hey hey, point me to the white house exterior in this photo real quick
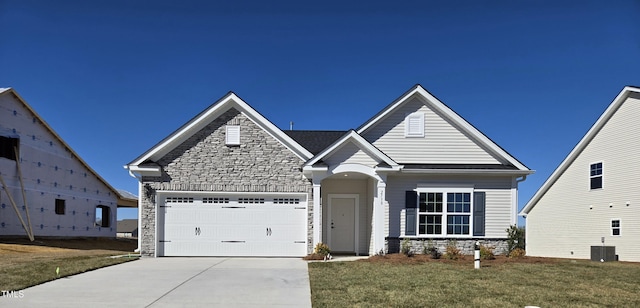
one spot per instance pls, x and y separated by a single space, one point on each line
230 183
53 191
595 192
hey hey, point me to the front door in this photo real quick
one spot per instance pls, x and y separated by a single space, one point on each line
343 224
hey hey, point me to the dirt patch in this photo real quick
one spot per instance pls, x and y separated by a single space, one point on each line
398 258
16 251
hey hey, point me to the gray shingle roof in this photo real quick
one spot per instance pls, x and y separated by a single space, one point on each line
127 225
315 140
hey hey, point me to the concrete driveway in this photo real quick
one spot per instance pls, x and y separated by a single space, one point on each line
178 282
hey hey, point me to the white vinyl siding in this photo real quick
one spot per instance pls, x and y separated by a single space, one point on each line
350 153
591 211
442 142
499 203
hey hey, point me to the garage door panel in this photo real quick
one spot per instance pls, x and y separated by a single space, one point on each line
240 248
203 229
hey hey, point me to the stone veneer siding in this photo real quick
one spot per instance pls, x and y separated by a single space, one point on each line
205 163
466 246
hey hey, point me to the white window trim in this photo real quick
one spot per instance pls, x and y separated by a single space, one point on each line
420 117
444 213
619 226
232 135
593 176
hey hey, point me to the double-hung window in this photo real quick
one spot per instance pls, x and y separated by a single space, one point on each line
595 175
444 213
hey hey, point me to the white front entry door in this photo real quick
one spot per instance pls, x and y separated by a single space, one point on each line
343 224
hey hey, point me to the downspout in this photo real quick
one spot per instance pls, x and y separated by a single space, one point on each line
519 180
139 205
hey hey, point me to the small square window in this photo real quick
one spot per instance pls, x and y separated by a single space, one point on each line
615 227
60 206
232 135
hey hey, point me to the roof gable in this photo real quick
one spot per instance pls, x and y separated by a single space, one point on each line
580 147
227 102
486 149
352 138
123 200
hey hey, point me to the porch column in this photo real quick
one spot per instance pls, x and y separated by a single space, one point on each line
378 216
317 214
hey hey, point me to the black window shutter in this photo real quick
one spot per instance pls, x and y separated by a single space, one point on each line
411 205
478 213
411 199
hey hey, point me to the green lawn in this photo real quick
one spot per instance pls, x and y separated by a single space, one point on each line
21 276
24 263
438 284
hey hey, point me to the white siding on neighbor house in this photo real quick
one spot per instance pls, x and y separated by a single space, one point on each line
360 188
350 153
442 141
499 203
49 172
570 217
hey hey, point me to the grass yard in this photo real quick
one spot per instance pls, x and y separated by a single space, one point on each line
400 281
24 263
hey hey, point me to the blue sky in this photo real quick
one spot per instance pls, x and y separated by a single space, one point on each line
115 77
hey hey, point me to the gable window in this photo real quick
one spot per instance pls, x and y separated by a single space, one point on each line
8 147
60 206
414 125
615 227
103 216
444 213
595 175
232 136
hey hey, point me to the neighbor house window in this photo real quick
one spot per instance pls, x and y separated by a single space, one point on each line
232 135
8 147
414 125
103 216
615 227
595 175
444 213
60 206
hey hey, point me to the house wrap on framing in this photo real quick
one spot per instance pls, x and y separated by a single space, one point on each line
46 189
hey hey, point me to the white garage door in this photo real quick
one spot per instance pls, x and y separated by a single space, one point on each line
232 225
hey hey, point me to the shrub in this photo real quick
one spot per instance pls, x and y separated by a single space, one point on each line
431 250
486 253
321 249
452 251
405 247
517 253
516 238
434 253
